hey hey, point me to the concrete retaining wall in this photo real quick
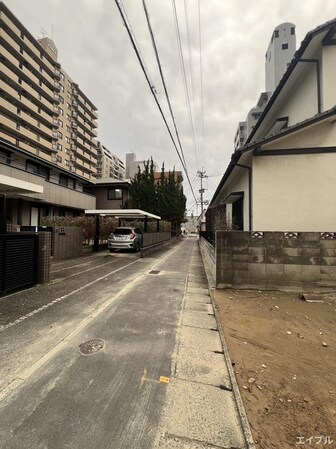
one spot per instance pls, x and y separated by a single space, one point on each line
208 255
292 261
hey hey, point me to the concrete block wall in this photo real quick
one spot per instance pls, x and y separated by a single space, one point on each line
151 238
67 242
291 261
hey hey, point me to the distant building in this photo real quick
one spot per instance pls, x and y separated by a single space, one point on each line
279 54
108 164
132 165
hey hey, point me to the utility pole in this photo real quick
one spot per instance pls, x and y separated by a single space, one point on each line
202 175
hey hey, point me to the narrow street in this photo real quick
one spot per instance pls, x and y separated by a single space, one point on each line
53 395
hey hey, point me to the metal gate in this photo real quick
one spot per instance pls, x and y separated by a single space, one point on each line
18 261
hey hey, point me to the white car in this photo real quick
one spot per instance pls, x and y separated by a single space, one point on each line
125 238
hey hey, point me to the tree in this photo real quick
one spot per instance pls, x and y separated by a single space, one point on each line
163 197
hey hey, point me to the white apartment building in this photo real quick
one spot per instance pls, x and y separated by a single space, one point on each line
108 164
278 56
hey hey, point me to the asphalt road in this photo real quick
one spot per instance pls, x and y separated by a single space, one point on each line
54 396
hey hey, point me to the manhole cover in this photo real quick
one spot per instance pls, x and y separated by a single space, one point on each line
91 346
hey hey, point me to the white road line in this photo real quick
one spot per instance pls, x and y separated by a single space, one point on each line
61 298
84 271
25 374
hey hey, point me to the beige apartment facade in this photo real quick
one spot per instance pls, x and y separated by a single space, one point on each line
48 130
108 164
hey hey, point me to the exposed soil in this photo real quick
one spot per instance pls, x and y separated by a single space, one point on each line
283 350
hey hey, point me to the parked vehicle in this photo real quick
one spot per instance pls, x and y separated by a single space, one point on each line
125 238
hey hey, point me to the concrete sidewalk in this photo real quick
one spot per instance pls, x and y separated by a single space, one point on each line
201 409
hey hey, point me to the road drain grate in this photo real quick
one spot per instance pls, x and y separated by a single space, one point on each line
154 272
91 346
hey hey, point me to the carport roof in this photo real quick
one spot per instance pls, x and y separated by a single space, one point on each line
122 213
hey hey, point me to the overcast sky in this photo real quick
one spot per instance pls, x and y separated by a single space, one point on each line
95 50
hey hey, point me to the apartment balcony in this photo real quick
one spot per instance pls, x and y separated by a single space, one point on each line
56 122
75 92
74 113
73 158
57 73
73 136
73 146
75 103
56 110
74 124
73 169
56 98
57 86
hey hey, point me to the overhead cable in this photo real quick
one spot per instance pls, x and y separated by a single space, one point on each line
151 86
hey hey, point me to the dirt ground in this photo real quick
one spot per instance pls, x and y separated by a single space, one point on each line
283 352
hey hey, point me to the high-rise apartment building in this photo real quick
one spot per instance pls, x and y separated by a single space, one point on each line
279 54
108 164
43 111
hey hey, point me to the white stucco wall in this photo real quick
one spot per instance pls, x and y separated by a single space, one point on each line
238 185
301 102
328 77
294 193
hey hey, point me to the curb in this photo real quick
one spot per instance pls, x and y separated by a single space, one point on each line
236 393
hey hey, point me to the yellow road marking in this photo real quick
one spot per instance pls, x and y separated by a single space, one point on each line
144 378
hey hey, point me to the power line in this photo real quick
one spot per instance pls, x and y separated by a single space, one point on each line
185 83
201 76
151 86
162 78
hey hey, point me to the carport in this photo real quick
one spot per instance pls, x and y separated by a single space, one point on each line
120 214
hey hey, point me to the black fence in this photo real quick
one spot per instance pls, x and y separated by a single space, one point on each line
18 261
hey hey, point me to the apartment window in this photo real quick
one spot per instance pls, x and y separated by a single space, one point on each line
62 77
67 139
65 181
66 162
18 111
69 84
21 50
59 135
60 111
38 169
284 46
67 126
39 110
68 118
5 157
67 151
292 30
20 81
20 65
114 194
58 159
61 99
19 96
276 33
38 124
22 35
41 70
18 127
38 137
68 105
60 123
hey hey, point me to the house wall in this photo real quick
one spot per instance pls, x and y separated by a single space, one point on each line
294 193
240 184
301 101
328 76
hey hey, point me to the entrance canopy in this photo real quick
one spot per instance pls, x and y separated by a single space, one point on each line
122 213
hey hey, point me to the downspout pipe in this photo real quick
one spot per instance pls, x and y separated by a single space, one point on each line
250 192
